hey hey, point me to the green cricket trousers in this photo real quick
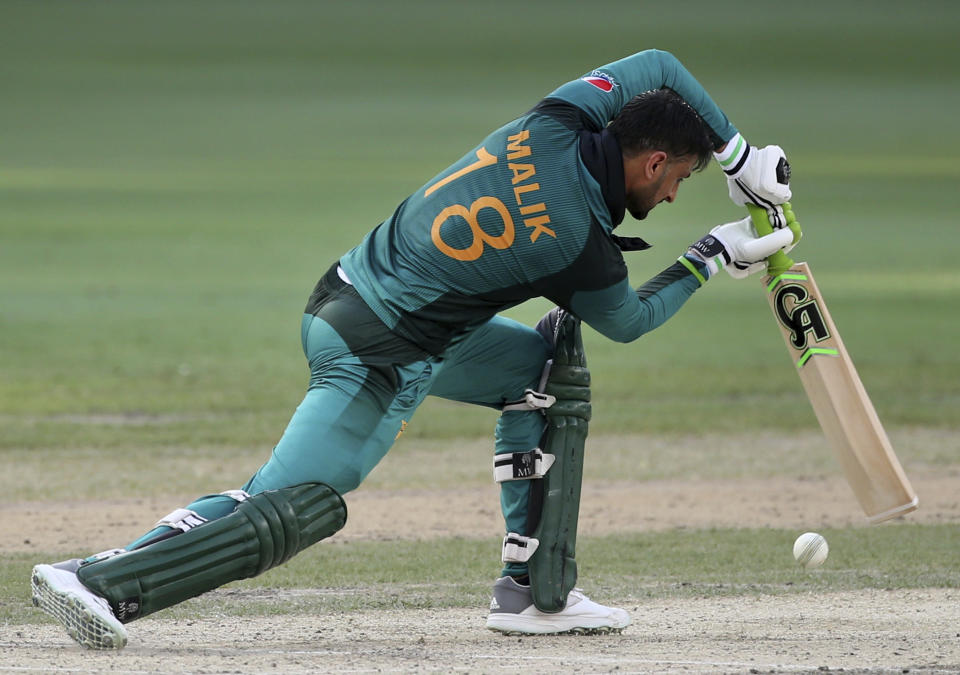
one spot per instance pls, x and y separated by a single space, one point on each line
366 383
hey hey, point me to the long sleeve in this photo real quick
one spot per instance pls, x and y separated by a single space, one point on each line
623 314
603 92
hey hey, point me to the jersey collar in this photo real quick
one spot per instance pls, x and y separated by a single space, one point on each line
601 155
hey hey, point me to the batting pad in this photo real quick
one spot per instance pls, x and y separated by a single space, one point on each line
553 566
266 530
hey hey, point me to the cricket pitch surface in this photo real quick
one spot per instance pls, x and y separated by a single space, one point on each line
874 630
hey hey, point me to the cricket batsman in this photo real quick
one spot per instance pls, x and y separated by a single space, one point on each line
412 311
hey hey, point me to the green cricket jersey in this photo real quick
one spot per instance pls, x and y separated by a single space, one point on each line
529 212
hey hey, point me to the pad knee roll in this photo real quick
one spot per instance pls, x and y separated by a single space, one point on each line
264 531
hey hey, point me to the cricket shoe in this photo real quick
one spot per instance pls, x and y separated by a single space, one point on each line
86 616
512 612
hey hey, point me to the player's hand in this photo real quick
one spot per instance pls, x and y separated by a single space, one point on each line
763 179
740 270
758 176
737 248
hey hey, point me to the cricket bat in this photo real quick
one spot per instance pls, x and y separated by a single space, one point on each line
839 400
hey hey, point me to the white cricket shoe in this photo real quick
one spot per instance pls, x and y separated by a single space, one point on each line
86 616
512 612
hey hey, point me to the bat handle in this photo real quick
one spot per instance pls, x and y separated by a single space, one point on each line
779 262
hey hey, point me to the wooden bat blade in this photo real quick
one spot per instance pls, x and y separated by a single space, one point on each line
839 400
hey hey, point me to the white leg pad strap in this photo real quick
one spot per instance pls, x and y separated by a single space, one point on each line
186 519
181 519
109 553
517 548
532 400
521 465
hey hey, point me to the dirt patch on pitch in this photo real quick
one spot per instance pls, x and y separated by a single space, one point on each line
606 508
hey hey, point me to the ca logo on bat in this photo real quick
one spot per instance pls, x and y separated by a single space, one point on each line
801 315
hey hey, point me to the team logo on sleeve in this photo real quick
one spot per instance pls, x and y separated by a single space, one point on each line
601 81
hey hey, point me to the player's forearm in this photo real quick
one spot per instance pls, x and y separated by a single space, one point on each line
623 314
635 74
654 68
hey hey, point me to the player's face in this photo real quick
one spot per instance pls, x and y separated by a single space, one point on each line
644 191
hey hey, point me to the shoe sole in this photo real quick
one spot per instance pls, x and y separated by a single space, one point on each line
607 630
534 628
83 624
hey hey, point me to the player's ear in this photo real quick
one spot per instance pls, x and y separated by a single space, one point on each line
655 164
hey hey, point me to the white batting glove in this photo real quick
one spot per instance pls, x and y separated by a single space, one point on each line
737 248
757 176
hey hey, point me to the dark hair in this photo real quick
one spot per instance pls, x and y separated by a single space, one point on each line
660 119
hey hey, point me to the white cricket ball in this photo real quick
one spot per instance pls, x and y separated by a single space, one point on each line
810 549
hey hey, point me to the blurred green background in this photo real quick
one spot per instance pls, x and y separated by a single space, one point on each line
175 176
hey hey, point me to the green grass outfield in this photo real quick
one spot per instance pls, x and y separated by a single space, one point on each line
175 176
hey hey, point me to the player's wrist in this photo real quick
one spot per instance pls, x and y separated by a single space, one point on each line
734 155
697 266
712 251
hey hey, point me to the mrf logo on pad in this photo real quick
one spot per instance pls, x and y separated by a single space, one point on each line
600 80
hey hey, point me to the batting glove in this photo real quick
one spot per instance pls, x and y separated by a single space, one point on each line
758 176
741 270
737 248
